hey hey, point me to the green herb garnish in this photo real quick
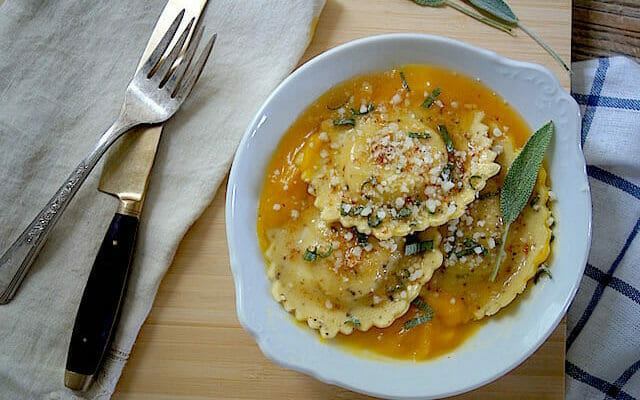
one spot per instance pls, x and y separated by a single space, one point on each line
312 255
353 321
419 135
404 82
446 171
542 270
519 182
348 209
418 247
446 138
427 314
370 108
361 238
404 212
344 122
373 220
431 98
476 177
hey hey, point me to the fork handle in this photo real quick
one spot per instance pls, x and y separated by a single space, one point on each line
15 262
101 303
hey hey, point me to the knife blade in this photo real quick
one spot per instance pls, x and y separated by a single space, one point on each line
125 175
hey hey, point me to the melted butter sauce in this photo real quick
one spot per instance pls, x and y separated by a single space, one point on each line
284 192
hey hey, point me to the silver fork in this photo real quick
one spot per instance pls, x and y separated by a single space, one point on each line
154 94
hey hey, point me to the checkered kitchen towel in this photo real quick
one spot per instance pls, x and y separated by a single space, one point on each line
603 340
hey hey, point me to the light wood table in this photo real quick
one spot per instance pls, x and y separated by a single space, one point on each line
192 345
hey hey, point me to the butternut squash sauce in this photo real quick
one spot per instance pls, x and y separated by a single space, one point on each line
285 192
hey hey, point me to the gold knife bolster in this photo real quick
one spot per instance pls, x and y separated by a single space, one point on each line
130 207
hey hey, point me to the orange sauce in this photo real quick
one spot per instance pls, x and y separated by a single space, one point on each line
452 323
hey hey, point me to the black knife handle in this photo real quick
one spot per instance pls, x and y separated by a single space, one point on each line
101 302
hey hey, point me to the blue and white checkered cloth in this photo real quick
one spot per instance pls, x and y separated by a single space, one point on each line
603 327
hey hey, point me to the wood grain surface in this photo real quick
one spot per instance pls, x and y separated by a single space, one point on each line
603 28
192 346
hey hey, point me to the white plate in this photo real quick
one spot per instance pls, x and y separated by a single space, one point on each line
507 339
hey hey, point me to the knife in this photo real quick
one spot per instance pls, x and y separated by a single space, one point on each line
125 175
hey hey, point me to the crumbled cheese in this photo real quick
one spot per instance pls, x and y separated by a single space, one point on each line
368 247
381 214
324 153
348 235
477 235
395 99
497 149
366 211
550 221
403 294
453 300
492 243
459 233
454 104
323 136
277 207
552 195
447 185
536 207
477 249
431 205
416 275
399 202
376 299
447 247
328 304
481 223
439 103
295 214
497 132
357 251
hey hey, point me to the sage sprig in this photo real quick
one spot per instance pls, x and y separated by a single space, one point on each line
519 182
502 18
470 12
501 10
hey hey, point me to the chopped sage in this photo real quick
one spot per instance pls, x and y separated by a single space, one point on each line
446 138
353 321
419 135
418 247
404 212
373 220
431 98
404 82
344 122
312 255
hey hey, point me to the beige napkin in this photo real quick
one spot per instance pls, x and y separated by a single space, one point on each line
64 66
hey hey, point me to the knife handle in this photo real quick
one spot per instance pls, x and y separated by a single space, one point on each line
99 309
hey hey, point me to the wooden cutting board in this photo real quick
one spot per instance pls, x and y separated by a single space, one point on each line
192 345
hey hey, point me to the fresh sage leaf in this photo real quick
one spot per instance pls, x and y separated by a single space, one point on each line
430 3
519 182
497 8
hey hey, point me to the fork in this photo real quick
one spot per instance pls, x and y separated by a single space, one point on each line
155 93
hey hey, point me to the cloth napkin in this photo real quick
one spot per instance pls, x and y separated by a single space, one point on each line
64 67
603 326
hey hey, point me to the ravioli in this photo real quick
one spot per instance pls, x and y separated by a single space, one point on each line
338 280
396 171
471 244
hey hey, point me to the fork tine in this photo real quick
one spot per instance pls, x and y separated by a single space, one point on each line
194 72
164 69
178 72
157 53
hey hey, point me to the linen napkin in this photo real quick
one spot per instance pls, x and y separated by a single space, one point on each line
64 67
603 326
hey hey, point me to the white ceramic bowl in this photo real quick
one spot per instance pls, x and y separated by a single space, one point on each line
507 339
